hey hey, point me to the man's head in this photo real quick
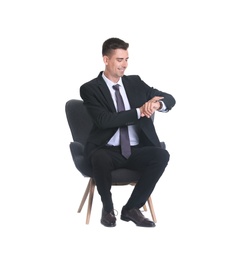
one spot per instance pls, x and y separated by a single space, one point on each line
115 56
112 44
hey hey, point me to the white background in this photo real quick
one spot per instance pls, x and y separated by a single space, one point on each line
48 49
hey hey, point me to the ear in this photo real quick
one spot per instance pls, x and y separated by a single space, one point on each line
105 59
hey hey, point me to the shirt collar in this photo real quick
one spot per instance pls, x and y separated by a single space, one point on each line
111 83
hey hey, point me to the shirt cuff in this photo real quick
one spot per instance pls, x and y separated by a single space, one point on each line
163 108
138 113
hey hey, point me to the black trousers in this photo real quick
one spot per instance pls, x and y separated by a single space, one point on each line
150 161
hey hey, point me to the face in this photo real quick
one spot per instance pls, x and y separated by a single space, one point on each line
116 64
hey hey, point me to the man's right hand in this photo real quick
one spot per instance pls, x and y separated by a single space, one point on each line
150 107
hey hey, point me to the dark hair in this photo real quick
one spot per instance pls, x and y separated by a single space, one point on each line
113 44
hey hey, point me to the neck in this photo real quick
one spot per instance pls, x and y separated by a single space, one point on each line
112 78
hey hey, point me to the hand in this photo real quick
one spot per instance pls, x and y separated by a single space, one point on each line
156 99
150 107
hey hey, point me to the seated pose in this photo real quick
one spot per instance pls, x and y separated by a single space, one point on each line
123 134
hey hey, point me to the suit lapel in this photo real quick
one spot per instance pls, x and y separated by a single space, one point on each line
103 88
130 93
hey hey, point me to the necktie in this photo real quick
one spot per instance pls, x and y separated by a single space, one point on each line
124 135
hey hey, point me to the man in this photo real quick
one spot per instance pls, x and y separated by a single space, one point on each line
104 148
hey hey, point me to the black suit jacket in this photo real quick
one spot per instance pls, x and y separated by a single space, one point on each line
99 104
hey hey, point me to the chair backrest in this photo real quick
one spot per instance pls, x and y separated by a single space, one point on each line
78 119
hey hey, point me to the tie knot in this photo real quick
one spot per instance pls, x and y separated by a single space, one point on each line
116 87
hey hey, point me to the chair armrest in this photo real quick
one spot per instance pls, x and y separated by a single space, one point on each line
77 150
163 145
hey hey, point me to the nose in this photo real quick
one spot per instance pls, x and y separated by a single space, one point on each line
125 64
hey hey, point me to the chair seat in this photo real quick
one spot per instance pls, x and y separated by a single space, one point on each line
124 176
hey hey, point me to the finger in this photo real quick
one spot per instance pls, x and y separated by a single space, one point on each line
157 98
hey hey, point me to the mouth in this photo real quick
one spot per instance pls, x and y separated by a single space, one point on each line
121 70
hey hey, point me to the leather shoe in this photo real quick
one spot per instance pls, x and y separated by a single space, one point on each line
108 219
137 217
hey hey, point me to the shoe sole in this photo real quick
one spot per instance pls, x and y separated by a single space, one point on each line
128 219
106 225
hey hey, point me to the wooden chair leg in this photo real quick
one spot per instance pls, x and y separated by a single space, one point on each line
84 196
145 208
90 201
88 191
150 203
